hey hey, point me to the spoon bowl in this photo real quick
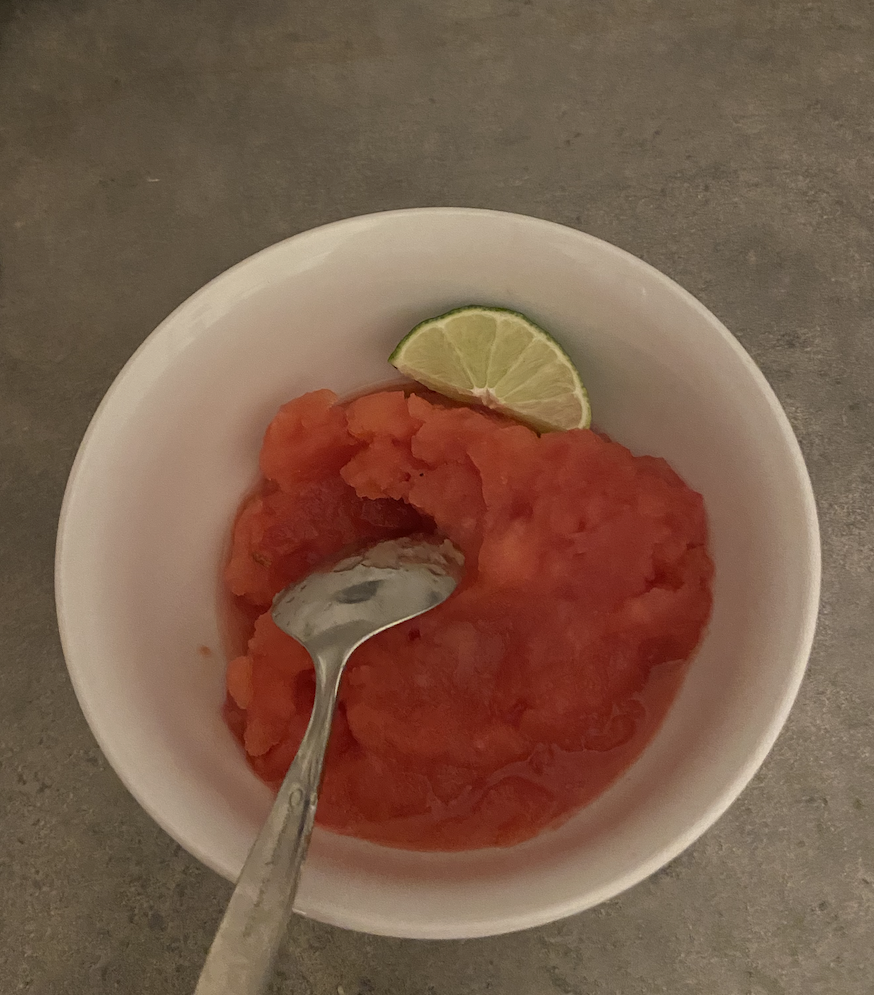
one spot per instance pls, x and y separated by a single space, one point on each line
366 593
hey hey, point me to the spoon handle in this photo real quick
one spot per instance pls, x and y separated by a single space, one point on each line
240 960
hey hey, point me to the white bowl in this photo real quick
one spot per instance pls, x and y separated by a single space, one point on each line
174 445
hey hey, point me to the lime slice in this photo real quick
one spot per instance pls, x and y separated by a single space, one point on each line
500 359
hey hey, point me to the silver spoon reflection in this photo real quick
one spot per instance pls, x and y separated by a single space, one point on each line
331 613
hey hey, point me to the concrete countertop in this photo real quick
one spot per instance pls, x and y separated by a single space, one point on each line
147 146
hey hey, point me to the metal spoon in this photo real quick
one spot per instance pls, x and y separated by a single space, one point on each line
331 613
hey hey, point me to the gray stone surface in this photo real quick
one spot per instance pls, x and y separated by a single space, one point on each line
148 145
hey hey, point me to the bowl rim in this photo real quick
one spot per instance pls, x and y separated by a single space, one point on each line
639 871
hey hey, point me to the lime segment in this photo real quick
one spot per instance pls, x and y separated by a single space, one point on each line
500 359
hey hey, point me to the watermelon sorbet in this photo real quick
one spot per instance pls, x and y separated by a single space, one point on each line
499 713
